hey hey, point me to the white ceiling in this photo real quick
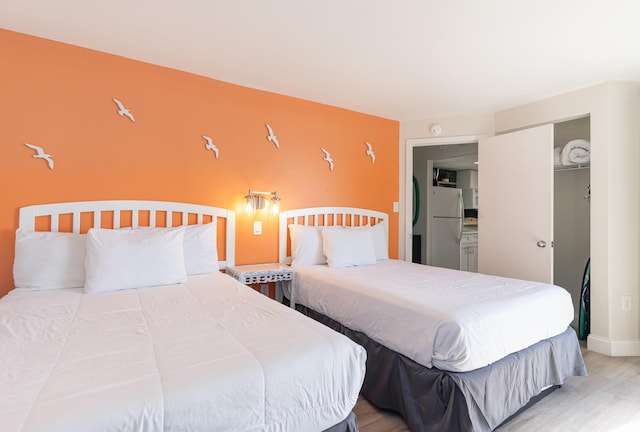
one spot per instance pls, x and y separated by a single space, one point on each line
402 59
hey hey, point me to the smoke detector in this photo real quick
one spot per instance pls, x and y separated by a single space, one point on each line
435 129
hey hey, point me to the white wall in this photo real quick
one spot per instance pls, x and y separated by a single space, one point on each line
614 110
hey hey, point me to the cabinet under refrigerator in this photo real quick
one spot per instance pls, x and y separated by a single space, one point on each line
447 215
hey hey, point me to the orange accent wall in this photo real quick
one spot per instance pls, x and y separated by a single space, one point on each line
59 97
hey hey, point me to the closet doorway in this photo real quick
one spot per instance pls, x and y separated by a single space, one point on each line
572 209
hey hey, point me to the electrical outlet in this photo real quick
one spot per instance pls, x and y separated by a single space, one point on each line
626 302
396 207
257 227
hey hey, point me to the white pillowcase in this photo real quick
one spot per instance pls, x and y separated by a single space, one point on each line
306 245
379 235
200 249
348 247
123 259
380 245
48 260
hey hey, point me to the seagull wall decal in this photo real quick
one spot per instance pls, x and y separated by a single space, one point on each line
370 153
123 111
327 157
41 154
271 137
210 145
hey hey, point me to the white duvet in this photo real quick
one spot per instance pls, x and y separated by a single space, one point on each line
207 355
453 320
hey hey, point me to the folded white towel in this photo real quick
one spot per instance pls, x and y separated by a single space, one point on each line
576 152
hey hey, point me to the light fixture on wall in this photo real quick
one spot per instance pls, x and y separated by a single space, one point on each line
256 201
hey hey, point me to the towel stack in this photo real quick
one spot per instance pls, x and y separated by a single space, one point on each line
575 152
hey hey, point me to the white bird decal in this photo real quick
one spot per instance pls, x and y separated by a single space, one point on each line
370 153
327 157
271 137
123 111
41 154
210 145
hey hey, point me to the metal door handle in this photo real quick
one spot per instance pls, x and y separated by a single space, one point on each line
542 243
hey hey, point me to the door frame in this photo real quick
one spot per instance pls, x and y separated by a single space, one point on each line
410 145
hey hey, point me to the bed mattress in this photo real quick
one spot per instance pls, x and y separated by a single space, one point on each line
449 319
209 354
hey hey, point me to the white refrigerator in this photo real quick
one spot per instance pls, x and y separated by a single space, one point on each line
447 216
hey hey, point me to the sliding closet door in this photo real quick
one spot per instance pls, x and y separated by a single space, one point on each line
515 214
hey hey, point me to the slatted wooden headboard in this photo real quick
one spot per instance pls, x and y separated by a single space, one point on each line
326 216
79 216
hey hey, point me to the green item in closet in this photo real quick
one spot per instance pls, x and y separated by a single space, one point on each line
585 307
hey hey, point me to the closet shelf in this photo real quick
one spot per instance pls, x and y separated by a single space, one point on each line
570 167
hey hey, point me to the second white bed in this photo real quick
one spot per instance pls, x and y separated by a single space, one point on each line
209 354
452 320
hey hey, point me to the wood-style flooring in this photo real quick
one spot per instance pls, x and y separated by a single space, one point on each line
608 400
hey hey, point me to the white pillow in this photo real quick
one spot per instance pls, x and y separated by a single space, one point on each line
200 249
348 247
306 245
380 245
122 259
48 260
379 235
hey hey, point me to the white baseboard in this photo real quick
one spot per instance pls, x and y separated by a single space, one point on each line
613 348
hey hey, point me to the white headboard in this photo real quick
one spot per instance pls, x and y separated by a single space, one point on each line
89 214
326 216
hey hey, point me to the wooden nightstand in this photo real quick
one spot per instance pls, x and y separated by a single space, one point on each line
263 274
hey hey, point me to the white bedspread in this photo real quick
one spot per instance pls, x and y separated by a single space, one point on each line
453 320
207 355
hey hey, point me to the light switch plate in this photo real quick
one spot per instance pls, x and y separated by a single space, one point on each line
396 207
257 227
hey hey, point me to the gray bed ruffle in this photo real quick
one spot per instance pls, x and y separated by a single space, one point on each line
479 400
350 424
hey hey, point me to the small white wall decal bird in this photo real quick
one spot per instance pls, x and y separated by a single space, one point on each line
327 157
210 145
271 137
123 111
41 154
370 153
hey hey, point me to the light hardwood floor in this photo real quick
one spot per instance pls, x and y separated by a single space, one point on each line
608 400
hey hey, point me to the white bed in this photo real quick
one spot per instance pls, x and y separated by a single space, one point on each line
206 353
455 321
456 324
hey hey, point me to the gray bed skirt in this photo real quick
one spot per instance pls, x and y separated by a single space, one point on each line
480 400
350 424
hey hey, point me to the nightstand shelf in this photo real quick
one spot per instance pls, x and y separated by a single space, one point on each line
263 275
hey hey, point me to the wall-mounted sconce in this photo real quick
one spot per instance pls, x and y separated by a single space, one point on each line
256 201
